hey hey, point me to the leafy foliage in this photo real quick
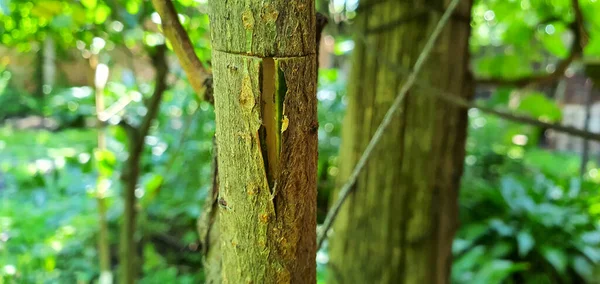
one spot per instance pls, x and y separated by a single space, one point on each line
525 213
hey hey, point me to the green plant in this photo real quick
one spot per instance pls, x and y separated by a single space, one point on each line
525 214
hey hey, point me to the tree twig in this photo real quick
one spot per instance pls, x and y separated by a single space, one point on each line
176 34
387 119
456 100
115 108
161 68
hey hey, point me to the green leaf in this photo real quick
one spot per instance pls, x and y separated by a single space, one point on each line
552 164
470 259
551 38
132 7
47 9
79 15
500 98
592 49
518 33
516 197
501 249
90 4
539 106
497 271
106 161
583 267
502 228
557 258
503 66
102 13
186 3
525 242
153 185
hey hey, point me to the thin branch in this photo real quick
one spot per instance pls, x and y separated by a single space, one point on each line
387 119
114 109
176 34
131 171
549 20
209 214
576 51
161 69
579 28
457 100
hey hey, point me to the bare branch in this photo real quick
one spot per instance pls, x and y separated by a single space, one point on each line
131 170
161 68
579 25
182 45
459 101
114 109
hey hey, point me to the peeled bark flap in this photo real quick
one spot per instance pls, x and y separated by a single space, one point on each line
294 231
263 28
268 234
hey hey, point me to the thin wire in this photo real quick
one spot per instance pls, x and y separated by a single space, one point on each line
387 119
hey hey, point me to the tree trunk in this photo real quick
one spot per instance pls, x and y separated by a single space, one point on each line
398 225
266 116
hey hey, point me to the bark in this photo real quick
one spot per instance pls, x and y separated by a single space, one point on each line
264 68
398 225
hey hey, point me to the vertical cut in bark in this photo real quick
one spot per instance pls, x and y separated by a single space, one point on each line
264 68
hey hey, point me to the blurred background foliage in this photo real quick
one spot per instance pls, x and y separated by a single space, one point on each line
528 213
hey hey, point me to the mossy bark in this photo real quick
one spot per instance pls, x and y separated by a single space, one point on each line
398 225
266 115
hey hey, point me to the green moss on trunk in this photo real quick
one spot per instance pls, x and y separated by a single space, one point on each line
398 225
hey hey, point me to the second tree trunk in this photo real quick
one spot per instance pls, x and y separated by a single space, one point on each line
398 225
